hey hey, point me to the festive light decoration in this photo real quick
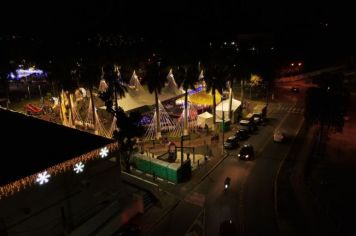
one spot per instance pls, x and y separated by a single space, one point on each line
104 152
21 184
165 121
76 115
21 73
192 121
197 90
113 127
79 167
43 177
135 82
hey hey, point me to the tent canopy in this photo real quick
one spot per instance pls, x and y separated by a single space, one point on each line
205 119
223 108
224 105
205 115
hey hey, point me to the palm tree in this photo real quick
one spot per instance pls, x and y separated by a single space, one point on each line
89 76
128 127
156 79
214 77
116 85
186 78
129 130
231 76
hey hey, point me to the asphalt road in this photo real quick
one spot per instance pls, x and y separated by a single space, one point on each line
249 201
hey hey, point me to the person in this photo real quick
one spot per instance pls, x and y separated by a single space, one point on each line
227 181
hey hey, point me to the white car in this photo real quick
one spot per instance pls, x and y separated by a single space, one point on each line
279 136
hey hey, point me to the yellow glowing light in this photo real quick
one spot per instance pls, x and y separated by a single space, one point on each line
203 98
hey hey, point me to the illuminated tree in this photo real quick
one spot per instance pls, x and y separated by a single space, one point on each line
255 81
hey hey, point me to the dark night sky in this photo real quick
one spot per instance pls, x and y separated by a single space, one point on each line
175 17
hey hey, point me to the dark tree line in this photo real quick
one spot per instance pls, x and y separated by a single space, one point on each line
327 103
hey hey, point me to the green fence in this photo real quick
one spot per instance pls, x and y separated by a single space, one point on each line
172 172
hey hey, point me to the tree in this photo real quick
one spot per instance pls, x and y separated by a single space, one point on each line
117 87
5 69
89 76
129 128
186 78
326 105
255 81
215 78
156 78
231 76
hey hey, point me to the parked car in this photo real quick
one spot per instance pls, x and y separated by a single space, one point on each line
246 152
231 142
242 134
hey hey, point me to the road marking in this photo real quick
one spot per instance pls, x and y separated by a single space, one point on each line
198 226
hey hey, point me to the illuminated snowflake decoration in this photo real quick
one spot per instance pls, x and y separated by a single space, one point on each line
43 178
79 167
104 152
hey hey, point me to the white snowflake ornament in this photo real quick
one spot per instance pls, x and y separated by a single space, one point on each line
43 178
79 167
104 152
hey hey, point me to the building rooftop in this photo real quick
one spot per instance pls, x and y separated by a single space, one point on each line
32 145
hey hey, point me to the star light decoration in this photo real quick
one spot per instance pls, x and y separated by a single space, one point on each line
43 177
79 167
104 152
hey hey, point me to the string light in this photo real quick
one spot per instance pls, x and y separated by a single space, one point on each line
21 184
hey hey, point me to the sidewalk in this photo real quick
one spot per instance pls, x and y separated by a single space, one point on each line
297 213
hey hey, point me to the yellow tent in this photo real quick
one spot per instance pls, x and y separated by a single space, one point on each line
202 98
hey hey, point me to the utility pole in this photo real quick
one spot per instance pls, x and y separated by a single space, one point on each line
182 138
223 124
242 91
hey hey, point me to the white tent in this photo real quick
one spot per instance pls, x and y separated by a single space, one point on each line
205 119
224 107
